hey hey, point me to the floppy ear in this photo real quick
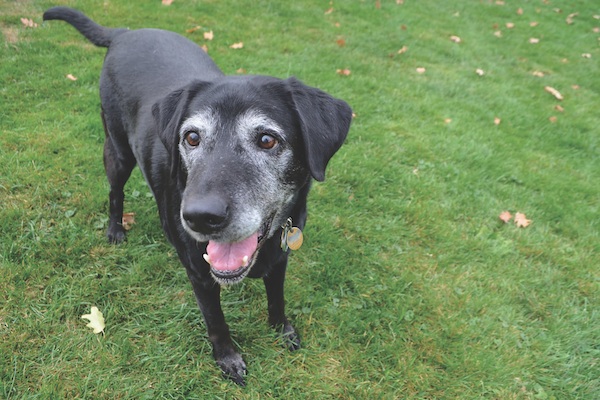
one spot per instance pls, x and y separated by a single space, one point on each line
168 115
324 122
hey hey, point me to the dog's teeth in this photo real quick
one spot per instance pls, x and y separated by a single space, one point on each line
206 258
245 261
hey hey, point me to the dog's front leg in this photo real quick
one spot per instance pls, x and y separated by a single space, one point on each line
275 297
209 300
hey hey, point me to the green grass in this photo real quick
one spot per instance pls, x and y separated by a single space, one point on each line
408 285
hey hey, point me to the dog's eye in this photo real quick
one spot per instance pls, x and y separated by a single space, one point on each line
192 138
266 141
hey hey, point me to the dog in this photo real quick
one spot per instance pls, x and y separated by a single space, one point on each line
229 160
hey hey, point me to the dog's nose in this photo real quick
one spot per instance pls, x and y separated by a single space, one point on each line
206 216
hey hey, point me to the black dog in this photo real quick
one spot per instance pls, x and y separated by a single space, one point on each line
229 160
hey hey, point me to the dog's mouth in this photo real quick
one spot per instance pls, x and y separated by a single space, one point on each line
231 262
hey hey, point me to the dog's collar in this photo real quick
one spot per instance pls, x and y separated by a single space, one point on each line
291 236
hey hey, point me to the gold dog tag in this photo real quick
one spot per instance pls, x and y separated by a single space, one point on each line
291 236
295 238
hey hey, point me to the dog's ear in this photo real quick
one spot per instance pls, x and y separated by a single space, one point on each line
324 121
168 115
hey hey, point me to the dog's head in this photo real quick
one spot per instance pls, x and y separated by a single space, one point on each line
242 148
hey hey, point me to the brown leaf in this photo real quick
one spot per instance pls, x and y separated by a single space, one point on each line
510 25
28 23
209 35
241 71
553 92
539 74
329 11
505 216
194 29
344 72
128 220
521 220
403 50
455 39
341 42
378 4
559 108
519 11
553 119
238 45
497 121
71 77
205 48
167 2
533 24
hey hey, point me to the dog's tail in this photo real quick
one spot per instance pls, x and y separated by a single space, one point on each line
97 34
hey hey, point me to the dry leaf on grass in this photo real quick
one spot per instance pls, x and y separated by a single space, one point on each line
344 72
28 23
421 70
167 2
505 216
534 40
539 74
209 35
194 29
521 220
403 50
71 77
553 92
480 72
341 42
238 45
455 39
497 121
96 320
571 17
128 220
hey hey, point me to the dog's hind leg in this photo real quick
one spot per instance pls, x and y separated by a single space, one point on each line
118 166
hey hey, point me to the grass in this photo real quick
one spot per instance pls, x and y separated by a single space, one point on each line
408 285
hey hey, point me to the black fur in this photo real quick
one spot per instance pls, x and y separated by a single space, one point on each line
156 84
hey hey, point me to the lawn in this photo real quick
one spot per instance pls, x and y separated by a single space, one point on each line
408 284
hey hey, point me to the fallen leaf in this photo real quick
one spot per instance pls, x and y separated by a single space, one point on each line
455 39
553 119
447 120
521 220
498 33
28 23
497 121
71 77
586 55
480 72
96 320
241 71
553 92
539 74
205 48
559 108
344 72
341 42
533 24
519 11
167 2
596 29
421 70
378 4
505 216
128 220
534 40
399 2
238 45
570 18
403 50
329 11
209 35
575 87
510 25
194 29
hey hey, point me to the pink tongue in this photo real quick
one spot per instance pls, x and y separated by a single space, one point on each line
230 256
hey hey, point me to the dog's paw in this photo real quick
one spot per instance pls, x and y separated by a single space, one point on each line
233 368
291 339
115 234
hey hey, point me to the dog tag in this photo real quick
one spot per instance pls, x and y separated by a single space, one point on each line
291 236
295 238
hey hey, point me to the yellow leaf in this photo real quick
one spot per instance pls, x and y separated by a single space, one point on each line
209 35
96 320
521 220
238 45
71 77
553 92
